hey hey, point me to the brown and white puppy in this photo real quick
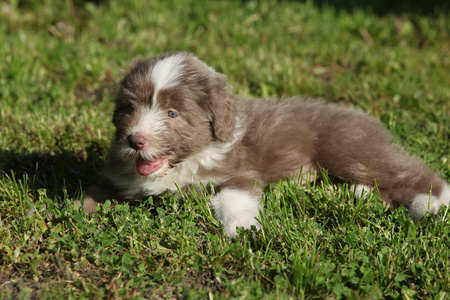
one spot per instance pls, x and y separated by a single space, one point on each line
178 123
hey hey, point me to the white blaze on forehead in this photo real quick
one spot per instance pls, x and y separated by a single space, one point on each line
166 72
149 121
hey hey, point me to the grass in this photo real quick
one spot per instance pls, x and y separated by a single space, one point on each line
59 68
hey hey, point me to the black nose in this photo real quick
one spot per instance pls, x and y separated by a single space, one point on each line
137 141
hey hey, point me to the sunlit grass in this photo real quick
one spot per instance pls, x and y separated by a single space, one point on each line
61 62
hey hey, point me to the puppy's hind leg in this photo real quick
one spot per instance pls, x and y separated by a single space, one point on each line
404 181
356 147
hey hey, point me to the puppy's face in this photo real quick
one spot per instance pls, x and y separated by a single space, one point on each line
169 108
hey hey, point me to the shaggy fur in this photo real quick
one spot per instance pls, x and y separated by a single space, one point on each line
178 123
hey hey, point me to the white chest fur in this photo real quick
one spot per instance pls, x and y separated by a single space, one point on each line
132 185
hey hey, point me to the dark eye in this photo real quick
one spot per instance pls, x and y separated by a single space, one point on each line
172 114
127 109
121 111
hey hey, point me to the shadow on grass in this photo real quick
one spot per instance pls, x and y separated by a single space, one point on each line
58 172
382 7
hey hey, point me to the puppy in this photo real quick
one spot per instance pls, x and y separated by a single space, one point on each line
178 125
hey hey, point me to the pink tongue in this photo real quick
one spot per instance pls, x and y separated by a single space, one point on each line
147 167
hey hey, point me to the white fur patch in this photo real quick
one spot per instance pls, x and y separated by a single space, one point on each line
444 198
185 173
166 73
182 175
236 208
149 120
422 204
166 179
426 203
361 190
217 151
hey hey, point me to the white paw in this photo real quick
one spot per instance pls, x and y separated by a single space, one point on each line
444 197
360 190
235 208
426 203
229 228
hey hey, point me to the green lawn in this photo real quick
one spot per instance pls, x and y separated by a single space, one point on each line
59 66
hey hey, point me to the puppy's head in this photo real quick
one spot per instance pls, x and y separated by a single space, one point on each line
168 108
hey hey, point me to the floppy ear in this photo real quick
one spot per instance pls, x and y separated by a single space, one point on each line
222 106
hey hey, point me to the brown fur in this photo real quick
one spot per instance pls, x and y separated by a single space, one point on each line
346 143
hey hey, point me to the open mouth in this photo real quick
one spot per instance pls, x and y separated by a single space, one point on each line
147 167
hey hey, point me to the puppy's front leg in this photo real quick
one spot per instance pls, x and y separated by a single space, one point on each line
236 208
96 195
